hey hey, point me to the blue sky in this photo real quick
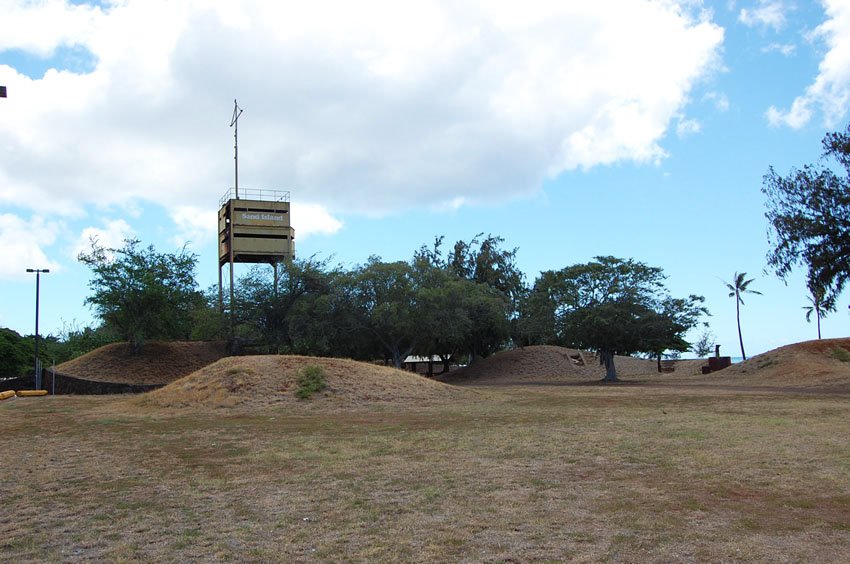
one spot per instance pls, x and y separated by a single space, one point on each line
572 129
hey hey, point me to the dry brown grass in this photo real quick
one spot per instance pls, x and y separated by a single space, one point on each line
629 474
158 363
392 467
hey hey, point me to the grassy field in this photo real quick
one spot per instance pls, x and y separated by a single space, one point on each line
515 474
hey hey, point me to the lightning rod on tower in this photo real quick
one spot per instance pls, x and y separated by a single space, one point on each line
234 123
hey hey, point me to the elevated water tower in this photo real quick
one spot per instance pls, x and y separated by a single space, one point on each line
255 227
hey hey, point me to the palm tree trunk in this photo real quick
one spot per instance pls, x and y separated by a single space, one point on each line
817 312
740 338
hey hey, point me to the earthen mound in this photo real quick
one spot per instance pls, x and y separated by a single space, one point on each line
545 363
271 380
818 363
159 362
538 363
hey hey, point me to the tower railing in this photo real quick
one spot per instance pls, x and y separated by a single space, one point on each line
261 194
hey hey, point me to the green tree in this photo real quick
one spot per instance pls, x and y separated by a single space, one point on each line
386 307
809 218
484 261
327 322
209 323
488 309
446 323
535 320
704 345
481 284
269 313
613 306
676 316
142 294
481 260
16 354
739 286
611 328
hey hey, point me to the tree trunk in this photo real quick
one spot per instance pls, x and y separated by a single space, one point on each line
817 312
607 358
397 358
658 358
738 312
400 355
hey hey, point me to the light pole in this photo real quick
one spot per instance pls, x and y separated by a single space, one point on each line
38 272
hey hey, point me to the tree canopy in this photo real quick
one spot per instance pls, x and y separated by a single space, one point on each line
465 304
16 353
480 260
809 216
143 294
432 305
611 305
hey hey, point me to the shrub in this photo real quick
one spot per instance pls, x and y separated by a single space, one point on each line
840 354
311 380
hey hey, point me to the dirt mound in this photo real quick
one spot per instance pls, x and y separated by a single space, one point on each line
256 381
810 363
540 363
158 363
546 363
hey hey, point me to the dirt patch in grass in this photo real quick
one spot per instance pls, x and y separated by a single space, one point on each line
272 380
158 363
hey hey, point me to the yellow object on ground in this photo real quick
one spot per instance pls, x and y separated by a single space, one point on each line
26 393
7 394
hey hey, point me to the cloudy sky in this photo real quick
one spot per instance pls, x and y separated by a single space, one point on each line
632 128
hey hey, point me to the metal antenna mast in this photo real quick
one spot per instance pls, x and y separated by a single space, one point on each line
234 123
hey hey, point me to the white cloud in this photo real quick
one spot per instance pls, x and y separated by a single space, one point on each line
24 241
795 118
786 49
376 107
687 127
196 226
830 92
719 99
110 236
768 13
313 219
58 23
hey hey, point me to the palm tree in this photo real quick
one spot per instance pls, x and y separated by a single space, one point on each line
820 306
736 288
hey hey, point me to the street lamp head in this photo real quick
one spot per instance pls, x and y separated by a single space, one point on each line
30 270
38 270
